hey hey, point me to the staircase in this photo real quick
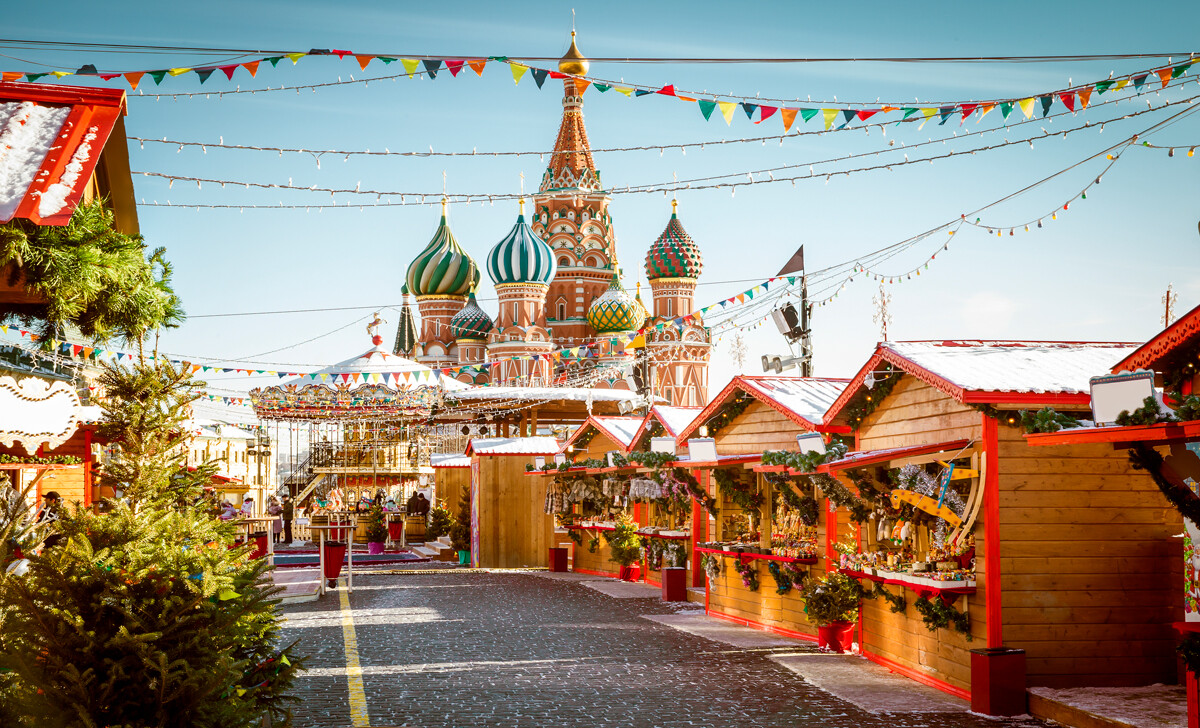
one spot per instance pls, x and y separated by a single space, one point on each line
301 482
438 550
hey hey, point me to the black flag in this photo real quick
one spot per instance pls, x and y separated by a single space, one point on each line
794 264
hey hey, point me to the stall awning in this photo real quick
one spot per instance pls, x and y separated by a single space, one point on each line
873 457
1164 432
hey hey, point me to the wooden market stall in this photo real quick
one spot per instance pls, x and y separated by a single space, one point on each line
756 529
1060 552
509 528
451 479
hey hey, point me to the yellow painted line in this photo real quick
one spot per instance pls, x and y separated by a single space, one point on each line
354 680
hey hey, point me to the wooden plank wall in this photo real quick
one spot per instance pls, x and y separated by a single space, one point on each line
448 486
598 563
514 530
764 607
915 413
1091 571
758 428
67 482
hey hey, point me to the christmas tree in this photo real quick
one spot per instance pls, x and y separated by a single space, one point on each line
145 614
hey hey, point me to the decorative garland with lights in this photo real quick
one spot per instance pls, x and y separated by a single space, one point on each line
1046 420
935 613
897 603
585 439
839 495
704 499
727 414
806 506
786 575
806 462
748 572
740 493
34 460
857 412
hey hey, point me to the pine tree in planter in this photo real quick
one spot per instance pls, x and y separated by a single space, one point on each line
145 614
625 544
376 529
460 532
440 522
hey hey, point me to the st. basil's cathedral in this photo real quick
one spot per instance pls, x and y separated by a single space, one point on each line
559 286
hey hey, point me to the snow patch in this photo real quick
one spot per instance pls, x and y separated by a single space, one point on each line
27 134
54 198
1153 706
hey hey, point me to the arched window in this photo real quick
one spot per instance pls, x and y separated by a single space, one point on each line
564 262
670 307
562 311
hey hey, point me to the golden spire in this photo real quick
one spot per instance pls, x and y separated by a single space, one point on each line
522 201
674 207
445 202
574 62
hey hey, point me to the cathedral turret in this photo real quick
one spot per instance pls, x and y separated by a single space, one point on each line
440 277
522 267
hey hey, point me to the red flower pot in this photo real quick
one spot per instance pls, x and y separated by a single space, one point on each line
335 554
630 573
838 636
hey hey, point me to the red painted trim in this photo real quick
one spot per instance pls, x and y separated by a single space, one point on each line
759 625
918 676
1165 343
46 93
739 383
1161 432
595 424
1048 399
87 468
991 530
593 572
883 456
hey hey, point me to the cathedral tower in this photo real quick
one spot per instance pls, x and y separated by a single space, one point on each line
678 354
522 267
440 277
570 213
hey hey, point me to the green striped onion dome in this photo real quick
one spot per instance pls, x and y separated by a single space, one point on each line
443 268
521 257
615 310
674 254
471 322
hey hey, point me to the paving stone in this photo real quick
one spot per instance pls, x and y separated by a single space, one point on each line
517 650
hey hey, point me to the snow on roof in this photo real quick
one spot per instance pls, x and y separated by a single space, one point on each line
806 397
512 446
52 137
575 394
675 418
219 430
1014 366
449 460
621 428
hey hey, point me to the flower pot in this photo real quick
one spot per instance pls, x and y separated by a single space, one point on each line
464 558
335 553
630 573
836 636
375 548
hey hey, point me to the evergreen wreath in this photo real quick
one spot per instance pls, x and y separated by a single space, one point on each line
748 572
936 613
738 492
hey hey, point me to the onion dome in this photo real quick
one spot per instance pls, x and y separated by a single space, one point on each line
471 322
443 268
615 310
573 62
521 257
674 254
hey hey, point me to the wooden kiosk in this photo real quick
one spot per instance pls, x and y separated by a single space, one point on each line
509 528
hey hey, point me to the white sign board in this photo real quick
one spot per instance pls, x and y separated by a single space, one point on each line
662 444
811 442
36 412
702 449
1114 393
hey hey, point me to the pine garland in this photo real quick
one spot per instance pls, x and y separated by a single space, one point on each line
856 412
6 459
748 572
897 603
935 613
728 413
1046 420
750 502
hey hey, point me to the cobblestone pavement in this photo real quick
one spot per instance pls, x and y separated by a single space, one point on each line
514 649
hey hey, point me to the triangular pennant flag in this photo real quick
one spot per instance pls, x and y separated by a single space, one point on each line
638 93
31 77
706 108
668 90
1047 101
1103 86
864 114
228 71
178 71
1164 75
454 67
928 114
849 115
788 116
829 115
517 71
1085 95
295 57
477 66
944 112
623 90
1122 83
1138 81
274 60
539 75
1026 106
363 61
410 65
432 67
1181 69
134 78
749 109
386 59
967 110
87 69
727 109
204 73
809 114
908 111
557 75
766 112
340 54
252 67
1006 108
10 75
60 74
1068 100
601 87
158 76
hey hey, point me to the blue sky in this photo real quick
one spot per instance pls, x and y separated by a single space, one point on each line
1097 273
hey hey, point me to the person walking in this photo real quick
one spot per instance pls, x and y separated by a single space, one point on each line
289 511
275 511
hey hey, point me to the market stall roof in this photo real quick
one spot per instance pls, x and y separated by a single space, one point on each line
1183 334
512 446
620 430
219 430
449 460
1044 373
53 137
1163 433
873 457
672 419
803 400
